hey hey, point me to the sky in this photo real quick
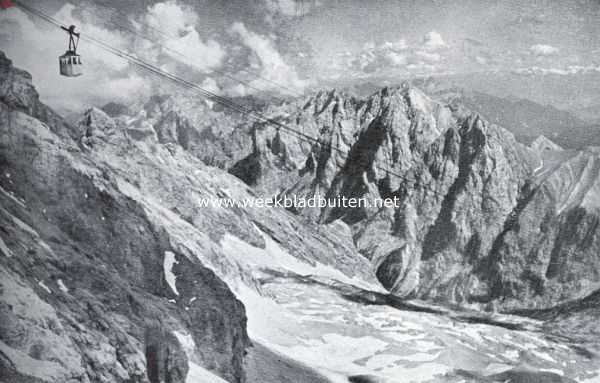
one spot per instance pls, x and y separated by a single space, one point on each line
242 47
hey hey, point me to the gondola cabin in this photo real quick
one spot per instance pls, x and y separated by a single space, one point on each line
70 63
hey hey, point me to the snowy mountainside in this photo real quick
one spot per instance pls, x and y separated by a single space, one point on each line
112 271
473 198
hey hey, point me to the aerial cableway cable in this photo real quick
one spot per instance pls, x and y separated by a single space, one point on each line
125 17
178 80
257 116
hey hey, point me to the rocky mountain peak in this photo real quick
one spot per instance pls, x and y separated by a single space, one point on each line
16 88
116 271
18 92
97 118
468 189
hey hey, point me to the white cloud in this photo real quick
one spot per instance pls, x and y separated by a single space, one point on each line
171 18
563 71
429 57
210 84
35 46
374 57
397 56
238 90
271 64
481 60
433 41
181 38
121 89
543 50
291 8
399 45
286 7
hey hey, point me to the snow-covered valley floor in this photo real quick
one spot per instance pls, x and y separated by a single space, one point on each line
345 334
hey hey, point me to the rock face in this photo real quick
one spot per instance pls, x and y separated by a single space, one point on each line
524 118
111 269
114 267
212 136
483 219
86 295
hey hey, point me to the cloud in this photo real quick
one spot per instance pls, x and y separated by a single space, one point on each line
175 45
210 84
268 60
396 59
481 60
562 71
374 57
181 38
398 56
428 57
286 7
291 8
433 41
237 90
543 50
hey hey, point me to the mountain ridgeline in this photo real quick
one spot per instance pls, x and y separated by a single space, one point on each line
484 219
110 271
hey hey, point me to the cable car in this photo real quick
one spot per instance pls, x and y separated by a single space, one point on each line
70 62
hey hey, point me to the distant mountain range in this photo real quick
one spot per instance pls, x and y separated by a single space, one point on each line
560 107
526 119
111 269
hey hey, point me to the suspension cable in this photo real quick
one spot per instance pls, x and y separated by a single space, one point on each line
257 116
285 88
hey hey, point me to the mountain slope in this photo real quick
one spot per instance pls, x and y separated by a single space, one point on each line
473 199
86 271
527 120
102 230
112 269
528 105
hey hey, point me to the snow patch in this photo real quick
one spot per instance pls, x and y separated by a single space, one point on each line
335 352
43 286
276 258
168 263
511 354
420 357
543 355
380 361
594 379
554 371
187 343
196 373
12 197
4 249
423 373
539 167
62 286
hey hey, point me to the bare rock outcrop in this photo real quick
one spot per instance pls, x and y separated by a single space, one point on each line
483 220
112 270
86 294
